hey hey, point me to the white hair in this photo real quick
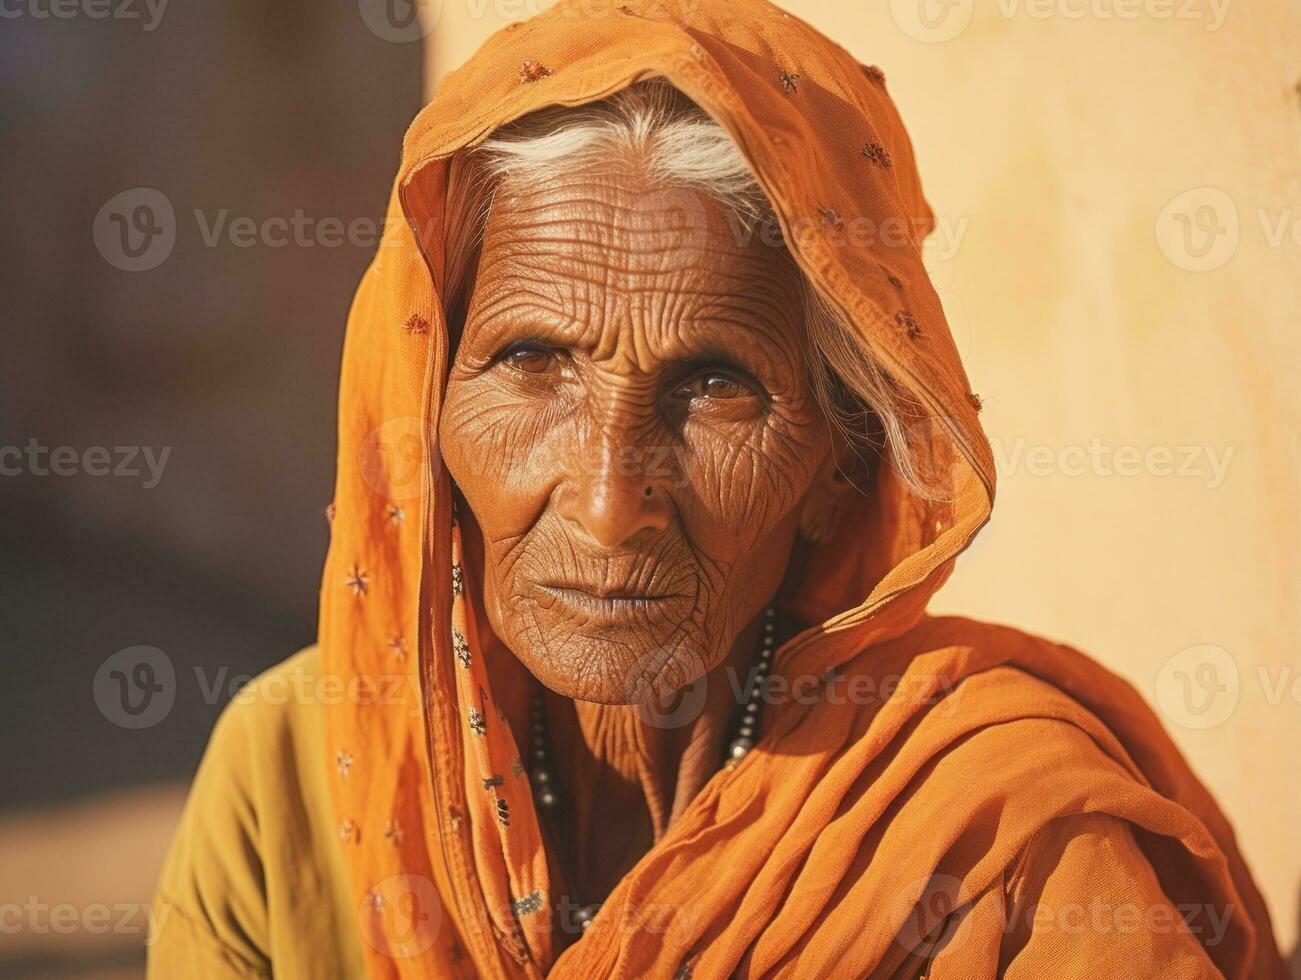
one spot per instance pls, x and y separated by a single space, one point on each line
676 144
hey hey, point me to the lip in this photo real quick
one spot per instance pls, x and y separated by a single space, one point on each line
607 602
604 591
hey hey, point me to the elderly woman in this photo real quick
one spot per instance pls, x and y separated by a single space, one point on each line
653 446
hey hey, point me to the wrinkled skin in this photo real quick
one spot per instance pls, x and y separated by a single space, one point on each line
628 411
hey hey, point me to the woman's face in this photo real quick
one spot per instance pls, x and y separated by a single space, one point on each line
628 417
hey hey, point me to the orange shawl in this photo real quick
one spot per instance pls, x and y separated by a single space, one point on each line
819 848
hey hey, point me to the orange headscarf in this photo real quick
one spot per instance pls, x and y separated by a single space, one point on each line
771 861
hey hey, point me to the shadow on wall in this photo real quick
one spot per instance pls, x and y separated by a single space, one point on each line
194 191
1294 961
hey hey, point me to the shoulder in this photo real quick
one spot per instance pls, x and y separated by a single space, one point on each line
254 832
279 711
1062 779
267 741
1084 880
1000 673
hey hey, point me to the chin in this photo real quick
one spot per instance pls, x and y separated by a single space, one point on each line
609 664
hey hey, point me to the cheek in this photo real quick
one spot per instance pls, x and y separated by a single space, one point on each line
745 486
494 447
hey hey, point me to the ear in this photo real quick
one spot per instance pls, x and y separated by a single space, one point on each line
827 500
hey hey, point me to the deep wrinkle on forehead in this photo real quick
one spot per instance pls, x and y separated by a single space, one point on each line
590 265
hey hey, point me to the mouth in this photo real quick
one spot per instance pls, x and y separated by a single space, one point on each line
607 602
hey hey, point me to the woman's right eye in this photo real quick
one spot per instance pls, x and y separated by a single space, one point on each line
529 358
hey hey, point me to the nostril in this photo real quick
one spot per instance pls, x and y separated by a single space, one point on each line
648 490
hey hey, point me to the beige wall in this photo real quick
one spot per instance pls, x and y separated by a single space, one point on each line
1087 170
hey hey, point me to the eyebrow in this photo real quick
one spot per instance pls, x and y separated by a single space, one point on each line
500 329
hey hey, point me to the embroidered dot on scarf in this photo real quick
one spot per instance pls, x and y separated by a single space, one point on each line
906 320
531 71
878 154
501 813
358 582
461 647
478 724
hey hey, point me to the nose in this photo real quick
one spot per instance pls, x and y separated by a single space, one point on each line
616 491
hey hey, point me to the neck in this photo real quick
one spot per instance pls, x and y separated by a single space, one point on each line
637 767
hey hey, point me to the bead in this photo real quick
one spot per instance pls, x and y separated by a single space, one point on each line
740 747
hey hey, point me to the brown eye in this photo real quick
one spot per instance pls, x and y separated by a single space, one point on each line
717 386
721 386
531 360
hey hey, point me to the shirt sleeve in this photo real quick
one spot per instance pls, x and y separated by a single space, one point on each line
210 906
1084 901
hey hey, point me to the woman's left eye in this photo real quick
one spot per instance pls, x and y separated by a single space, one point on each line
714 385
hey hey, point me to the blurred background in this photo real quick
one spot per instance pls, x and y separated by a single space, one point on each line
192 192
